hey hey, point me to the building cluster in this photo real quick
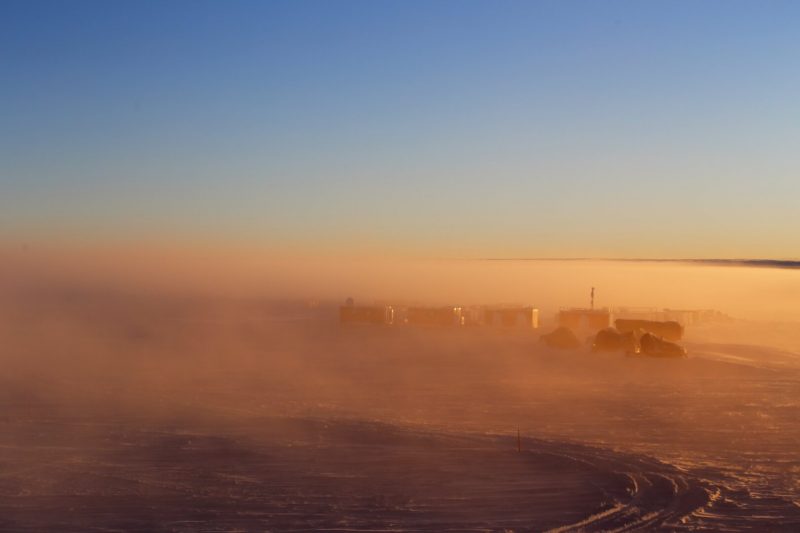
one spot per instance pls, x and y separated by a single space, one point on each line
635 331
592 320
633 336
523 317
685 317
504 317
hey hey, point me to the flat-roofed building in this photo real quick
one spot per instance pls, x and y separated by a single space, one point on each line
685 317
579 319
375 314
510 317
434 316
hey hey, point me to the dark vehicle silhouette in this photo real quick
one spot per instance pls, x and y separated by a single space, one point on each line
561 338
655 346
611 340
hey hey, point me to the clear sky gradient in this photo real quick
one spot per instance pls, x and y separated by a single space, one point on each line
462 129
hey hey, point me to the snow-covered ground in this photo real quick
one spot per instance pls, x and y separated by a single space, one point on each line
173 419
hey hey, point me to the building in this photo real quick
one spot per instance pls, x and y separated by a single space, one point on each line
685 317
434 316
510 317
501 317
375 314
580 319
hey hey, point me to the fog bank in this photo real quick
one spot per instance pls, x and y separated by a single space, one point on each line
741 291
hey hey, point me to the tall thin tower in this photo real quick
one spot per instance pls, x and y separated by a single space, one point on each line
592 298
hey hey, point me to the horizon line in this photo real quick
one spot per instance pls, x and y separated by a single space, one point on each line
762 263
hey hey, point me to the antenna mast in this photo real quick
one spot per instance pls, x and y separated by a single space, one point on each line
592 298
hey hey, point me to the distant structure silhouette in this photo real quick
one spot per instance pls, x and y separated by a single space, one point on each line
588 320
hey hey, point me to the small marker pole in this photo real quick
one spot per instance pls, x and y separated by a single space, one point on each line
519 442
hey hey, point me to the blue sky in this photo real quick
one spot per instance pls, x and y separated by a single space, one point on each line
611 129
